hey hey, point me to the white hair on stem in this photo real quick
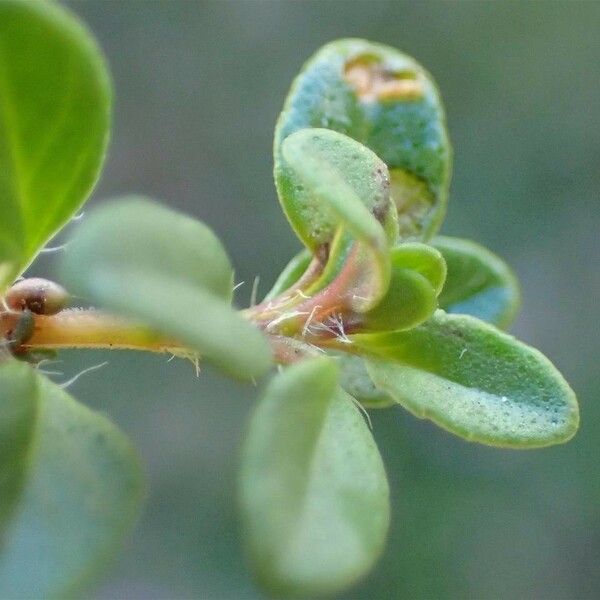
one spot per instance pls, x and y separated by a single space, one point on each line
306 327
73 379
254 292
285 317
196 362
53 249
335 326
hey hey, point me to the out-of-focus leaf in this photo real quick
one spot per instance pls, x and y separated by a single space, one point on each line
54 123
314 493
148 236
168 271
18 408
355 379
475 381
80 493
479 283
345 186
388 102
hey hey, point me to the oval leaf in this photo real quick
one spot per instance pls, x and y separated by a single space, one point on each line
18 411
418 271
388 102
81 492
168 271
314 493
147 236
338 181
345 185
423 259
475 381
479 283
54 123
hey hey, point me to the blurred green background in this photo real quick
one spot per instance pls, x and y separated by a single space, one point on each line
198 88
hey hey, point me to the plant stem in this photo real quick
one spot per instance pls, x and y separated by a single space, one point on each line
75 328
92 329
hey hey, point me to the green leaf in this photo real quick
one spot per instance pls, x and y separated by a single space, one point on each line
81 492
18 408
423 259
355 379
148 236
388 102
479 283
338 181
54 121
314 493
344 185
475 381
168 271
418 272
292 272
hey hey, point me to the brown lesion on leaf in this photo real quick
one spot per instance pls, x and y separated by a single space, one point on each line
373 81
381 178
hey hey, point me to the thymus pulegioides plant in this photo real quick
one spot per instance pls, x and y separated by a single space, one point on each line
377 310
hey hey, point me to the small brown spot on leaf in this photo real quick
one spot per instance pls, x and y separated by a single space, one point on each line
372 81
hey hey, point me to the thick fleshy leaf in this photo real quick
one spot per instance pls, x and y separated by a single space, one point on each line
81 492
314 493
54 124
479 283
475 381
418 272
345 186
423 259
168 271
355 379
18 409
338 181
388 102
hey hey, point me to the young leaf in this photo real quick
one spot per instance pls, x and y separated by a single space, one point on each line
338 181
313 489
344 184
418 272
388 102
80 494
170 272
18 409
423 259
355 379
479 283
475 381
54 122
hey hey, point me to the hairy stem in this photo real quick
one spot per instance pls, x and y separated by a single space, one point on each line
92 329
75 328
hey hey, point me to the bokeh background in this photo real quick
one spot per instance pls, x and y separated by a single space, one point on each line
198 88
